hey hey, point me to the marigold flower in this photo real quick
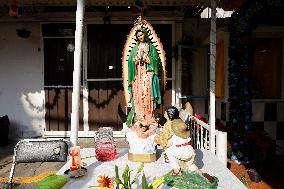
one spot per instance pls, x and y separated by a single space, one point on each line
105 182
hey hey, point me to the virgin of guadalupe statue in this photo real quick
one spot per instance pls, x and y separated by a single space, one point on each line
143 81
145 64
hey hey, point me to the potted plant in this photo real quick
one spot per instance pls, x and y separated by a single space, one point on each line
259 146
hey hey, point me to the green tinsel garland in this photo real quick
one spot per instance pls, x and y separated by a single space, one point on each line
190 181
242 23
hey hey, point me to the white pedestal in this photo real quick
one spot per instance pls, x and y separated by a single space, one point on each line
141 150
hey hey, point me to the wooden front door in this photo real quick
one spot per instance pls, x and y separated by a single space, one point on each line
104 72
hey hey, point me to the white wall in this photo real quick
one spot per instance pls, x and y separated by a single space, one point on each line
21 79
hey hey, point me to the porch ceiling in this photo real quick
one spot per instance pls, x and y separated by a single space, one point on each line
112 2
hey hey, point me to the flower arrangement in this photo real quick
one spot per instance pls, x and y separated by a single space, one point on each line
257 148
126 182
260 138
252 150
104 182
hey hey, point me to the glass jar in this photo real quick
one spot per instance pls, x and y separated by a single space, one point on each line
105 145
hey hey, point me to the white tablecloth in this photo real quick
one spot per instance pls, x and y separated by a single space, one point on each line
206 161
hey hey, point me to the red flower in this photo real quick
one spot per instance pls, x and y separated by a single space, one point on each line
229 146
260 138
105 182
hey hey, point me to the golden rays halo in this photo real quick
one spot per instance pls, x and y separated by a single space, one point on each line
131 42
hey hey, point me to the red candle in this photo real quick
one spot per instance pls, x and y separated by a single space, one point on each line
75 158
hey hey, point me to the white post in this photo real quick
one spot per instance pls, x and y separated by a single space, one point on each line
174 82
86 106
173 74
179 77
221 146
77 72
85 85
212 76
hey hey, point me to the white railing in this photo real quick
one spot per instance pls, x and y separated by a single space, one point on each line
200 136
200 131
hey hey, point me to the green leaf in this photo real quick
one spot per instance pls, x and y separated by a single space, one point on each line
139 170
125 176
116 171
126 170
144 182
129 180
125 185
117 180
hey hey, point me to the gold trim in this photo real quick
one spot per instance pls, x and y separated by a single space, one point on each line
144 158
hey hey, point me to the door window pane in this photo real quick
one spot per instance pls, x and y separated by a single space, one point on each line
58 61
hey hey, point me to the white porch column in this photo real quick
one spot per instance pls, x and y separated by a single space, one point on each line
85 83
86 106
178 66
178 78
77 72
212 76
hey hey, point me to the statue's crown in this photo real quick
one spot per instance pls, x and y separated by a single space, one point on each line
139 23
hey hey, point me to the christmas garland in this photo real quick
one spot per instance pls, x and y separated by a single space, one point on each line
242 23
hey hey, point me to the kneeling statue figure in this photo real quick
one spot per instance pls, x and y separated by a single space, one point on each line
176 141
